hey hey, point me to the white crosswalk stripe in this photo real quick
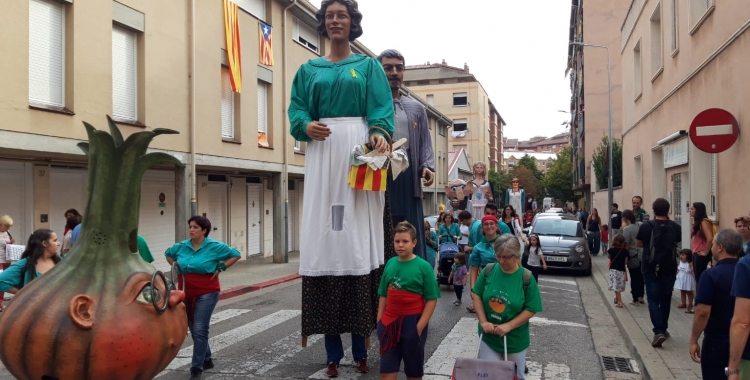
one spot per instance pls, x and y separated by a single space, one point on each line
227 314
461 341
554 280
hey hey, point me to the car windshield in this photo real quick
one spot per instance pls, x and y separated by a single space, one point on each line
557 227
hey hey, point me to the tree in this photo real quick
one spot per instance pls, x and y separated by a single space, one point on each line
531 184
500 182
559 177
600 163
531 164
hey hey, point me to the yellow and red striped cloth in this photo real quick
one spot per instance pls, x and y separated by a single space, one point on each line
232 33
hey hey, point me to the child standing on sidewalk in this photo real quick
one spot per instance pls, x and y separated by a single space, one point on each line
605 237
458 276
618 260
408 296
685 282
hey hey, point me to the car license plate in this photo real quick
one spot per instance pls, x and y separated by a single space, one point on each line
556 258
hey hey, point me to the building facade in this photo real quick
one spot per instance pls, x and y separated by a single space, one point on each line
543 160
593 22
477 125
70 61
679 59
539 144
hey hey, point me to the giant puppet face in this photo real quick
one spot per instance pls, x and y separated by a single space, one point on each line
459 189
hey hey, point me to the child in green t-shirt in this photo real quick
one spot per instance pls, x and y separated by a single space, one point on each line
408 296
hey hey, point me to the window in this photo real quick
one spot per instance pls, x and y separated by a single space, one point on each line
262 114
459 125
431 99
675 27
511 163
460 99
227 105
306 35
637 71
698 11
124 71
712 207
441 129
256 8
554 146
656 43
46 53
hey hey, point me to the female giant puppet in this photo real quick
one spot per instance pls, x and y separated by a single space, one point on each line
516 197
482 190
335 101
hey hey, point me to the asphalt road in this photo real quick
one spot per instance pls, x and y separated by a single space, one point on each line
258 336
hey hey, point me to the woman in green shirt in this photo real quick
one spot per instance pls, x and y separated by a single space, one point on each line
39 257
505 300
449 232
335 101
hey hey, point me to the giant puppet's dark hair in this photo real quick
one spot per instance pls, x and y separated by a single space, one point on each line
351 6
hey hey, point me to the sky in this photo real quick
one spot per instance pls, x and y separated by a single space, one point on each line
517 49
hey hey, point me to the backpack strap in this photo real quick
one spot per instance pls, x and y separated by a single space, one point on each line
526 275
488 269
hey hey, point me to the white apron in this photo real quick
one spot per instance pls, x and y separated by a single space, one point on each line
342 228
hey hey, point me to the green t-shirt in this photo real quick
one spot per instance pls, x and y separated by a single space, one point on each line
416 276
504 299
483 253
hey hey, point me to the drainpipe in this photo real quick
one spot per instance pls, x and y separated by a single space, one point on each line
193 180
285 169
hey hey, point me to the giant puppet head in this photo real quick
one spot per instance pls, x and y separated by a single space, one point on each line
459 189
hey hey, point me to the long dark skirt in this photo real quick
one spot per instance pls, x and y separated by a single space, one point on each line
406 207
345 304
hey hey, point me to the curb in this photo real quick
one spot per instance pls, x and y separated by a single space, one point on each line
650 366
244 289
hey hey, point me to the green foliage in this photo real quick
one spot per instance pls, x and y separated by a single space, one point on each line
559 177
600 163
531 164
500 182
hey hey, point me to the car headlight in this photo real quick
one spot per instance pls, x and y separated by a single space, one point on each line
582 255
579 248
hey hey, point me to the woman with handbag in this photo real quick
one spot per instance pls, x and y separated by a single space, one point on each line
5 238
38 258
340 101
593 231
506 296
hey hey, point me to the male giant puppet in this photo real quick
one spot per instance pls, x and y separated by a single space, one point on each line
411 123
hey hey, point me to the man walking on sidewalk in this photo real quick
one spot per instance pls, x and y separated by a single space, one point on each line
715 307
640 214
739 349
659 239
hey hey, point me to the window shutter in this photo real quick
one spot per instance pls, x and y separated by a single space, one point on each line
256 8
124 64
306 35
227 105
262 117
46 33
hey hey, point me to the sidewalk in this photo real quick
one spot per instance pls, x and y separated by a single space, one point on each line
257 273
672 360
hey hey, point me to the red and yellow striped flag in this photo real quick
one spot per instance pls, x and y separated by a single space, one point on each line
232 33
266 44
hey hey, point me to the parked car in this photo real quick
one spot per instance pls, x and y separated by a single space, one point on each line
563 242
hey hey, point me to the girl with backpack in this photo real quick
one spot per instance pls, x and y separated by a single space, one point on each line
702 236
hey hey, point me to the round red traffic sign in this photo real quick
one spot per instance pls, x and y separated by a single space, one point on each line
714 130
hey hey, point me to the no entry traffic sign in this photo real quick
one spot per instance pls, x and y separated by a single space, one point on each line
714 130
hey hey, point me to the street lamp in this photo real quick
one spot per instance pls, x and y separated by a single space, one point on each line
609 154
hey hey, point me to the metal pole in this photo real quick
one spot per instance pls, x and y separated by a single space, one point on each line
611 172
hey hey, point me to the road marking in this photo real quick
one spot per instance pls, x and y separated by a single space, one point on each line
540 321
566 282
560 295
268 358
222 341
461 341
347 370
552 287
227 314
551 371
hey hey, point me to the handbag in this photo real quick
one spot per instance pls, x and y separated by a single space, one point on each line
471 368
363 177
13 252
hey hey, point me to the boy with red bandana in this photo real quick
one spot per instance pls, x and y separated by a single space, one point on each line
408 296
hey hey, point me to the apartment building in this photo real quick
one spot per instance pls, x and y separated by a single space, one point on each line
70 61
539 144
679 59
477 125
543 160
597 23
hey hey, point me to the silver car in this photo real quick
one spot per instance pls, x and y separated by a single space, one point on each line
563 241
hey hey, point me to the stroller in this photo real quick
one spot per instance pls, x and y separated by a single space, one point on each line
445 262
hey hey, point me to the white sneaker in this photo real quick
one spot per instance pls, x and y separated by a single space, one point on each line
456 302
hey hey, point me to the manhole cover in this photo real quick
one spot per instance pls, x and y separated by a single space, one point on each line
617 364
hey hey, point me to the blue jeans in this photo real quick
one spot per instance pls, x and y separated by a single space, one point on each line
659 293
594 239
199 319
335 349
714 356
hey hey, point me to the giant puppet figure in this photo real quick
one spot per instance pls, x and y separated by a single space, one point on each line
516 197
458 192
482 190
102 312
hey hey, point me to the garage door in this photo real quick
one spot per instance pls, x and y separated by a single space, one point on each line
12 198
67 190
157 223
254 207
291 212
217 209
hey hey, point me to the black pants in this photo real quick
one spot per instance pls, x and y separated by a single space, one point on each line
714 356
637 288
700 263
459 291
535 272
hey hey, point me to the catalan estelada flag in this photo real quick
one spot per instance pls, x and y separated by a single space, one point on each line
232 33
266 45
